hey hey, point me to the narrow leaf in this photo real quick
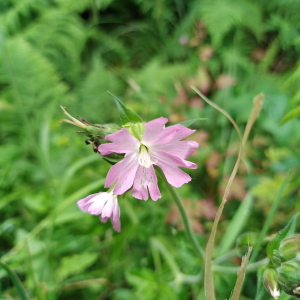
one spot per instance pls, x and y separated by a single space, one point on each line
241 276
236 225
15 279
188 123
269 219
288 230
292 114
126 115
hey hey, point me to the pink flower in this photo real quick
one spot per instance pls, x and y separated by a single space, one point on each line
161 146
105 204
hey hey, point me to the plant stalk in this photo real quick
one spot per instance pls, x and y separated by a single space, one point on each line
187 226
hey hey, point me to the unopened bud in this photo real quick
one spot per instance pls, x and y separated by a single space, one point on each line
288 275
289 247
271 282
96 133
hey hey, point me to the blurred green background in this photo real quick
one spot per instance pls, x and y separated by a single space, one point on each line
148 53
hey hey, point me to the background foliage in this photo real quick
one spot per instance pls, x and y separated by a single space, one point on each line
148 53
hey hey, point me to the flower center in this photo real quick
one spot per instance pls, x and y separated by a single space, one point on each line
144 157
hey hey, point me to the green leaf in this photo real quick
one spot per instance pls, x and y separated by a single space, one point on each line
15 279
292 114
188 123
288 230
126 115
149 284
76 263
236 225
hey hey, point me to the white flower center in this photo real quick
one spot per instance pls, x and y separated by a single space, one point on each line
144 157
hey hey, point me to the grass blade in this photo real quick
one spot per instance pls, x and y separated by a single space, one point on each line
236 225
49 219
241 277
269 219
15 279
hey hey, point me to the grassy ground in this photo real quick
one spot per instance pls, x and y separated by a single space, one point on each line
148 53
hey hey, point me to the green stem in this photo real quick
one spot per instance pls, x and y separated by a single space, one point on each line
227 256
187 226
233 270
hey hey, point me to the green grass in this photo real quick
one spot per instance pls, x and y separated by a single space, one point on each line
148 53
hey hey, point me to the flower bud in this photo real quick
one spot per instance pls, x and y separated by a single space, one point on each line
96 133
271 282
288 275
289 247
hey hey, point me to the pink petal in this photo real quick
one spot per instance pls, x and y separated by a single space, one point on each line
98 202
169 165
117 225
83 203
108 209
124 171
182 132
122 142
116 210
145 178
103 220
157 134
115 219
181 149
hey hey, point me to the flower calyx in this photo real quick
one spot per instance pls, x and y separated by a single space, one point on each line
289 277
271 282
289 247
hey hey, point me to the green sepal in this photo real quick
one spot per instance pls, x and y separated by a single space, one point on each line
111 161
288 230
127 116
137 130
188 123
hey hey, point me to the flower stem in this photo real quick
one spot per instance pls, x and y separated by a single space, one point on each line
233 270
187 226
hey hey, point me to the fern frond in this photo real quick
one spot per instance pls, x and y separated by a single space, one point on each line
221 16
19 15
74 6
60 36
24 68
93 92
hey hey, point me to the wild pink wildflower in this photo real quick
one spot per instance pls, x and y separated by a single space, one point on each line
161 146
105 204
